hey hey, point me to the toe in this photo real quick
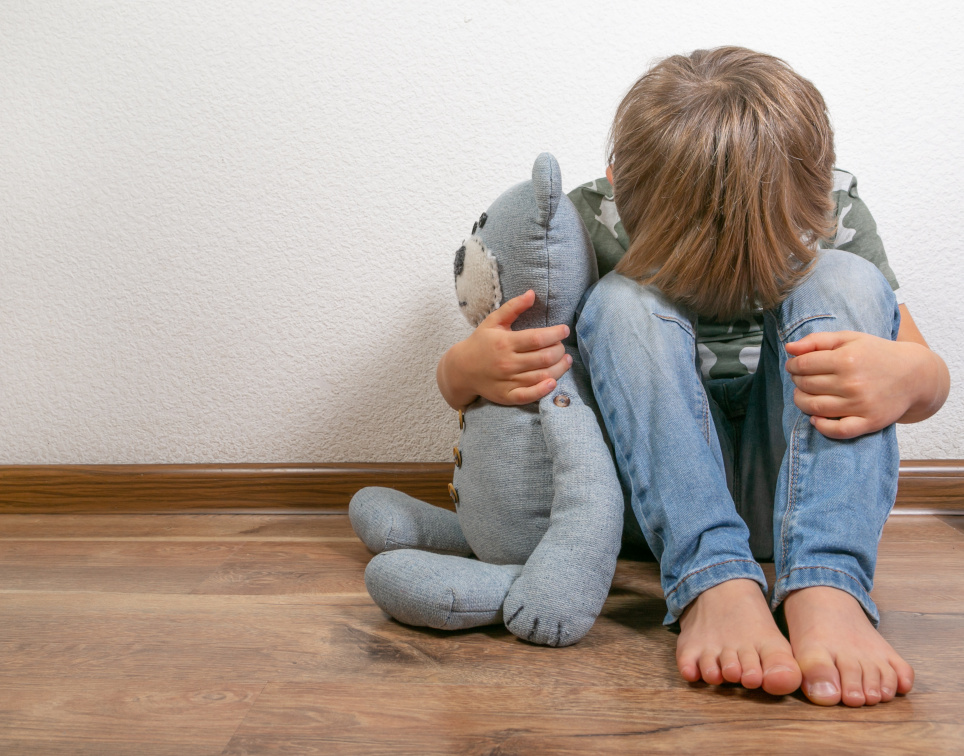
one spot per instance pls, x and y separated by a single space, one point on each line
752 671
871 678
690 672
781 673
821 681
730 666
710 668
905 675
888 684
851 682
688 665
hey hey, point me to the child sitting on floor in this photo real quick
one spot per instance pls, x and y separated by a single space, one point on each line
749 380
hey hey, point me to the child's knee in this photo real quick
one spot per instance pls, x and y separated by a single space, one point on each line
848 289
844 275
620 305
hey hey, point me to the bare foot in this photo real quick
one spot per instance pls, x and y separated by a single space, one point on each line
841 654
728 634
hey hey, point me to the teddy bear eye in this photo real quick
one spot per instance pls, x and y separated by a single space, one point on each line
475 227
459 261
482 219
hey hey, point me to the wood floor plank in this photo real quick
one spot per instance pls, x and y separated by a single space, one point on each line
157 567
261 626
93 747
905 529
250 638
274 568
727 738
956 522
373 718
931 582
121 716
213 527
933 644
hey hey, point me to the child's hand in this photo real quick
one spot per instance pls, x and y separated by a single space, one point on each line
502 365
853 383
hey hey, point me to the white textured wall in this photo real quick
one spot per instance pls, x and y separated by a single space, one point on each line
226 229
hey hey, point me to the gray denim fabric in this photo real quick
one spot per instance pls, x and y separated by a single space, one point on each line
539 501
386 519
435 590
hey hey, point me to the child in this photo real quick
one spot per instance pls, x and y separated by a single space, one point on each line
749 382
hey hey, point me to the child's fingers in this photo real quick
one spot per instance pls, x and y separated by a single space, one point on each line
815 341
539 359
535 384
821 405
820 384
510 311
526 394
841 428
533 339
815 363
554 371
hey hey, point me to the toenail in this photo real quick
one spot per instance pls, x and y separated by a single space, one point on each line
778 668
822 690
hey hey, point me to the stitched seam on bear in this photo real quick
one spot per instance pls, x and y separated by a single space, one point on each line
512 618
451 608
477 612
420 547
546 248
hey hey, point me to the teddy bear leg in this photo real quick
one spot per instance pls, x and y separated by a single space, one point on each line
386 519
440 591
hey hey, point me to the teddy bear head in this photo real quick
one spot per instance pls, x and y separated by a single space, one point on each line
531 237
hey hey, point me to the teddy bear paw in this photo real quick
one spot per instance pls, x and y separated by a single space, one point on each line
543 625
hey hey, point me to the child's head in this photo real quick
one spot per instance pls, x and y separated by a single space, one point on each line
722 166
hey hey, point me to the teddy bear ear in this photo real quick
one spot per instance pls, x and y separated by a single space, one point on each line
547 184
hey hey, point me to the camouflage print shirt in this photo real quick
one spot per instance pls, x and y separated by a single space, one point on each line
729 350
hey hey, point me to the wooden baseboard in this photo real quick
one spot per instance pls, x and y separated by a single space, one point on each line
225 489
931 486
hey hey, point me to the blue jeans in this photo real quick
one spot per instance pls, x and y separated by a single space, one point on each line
723 473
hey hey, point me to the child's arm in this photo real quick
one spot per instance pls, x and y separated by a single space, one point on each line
853 383
502 365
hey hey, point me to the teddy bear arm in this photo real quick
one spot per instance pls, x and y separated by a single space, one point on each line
565 581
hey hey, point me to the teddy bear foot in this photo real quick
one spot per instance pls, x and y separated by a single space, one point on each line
386 519
440 591
554 624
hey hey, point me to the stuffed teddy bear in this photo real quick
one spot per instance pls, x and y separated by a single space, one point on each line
539 510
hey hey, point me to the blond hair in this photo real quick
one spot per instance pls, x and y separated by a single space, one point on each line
722 169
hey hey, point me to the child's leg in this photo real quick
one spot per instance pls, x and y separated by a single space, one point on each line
641 353
832 498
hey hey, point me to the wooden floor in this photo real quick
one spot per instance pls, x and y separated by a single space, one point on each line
238 634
